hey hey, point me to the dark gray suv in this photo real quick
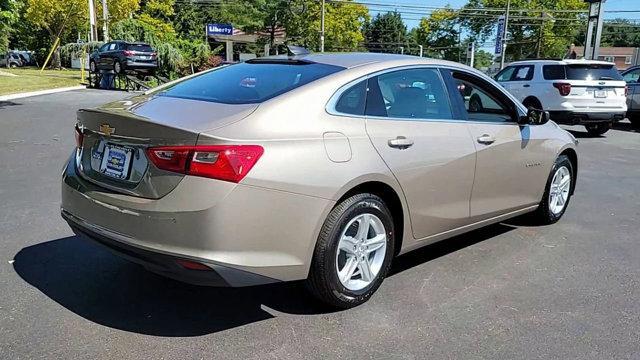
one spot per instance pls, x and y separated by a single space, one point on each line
121 56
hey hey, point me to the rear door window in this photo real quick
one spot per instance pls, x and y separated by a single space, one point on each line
523 73
592 72
250 82
409 94
553 72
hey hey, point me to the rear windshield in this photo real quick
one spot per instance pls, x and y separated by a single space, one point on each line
139 47
248 83
592 72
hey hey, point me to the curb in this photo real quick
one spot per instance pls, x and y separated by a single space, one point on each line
40 92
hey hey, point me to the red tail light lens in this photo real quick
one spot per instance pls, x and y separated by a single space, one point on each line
563 88
79 137
128 52
192 265
222 162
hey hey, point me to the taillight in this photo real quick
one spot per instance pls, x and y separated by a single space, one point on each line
563 88
128 52
79 137
222 162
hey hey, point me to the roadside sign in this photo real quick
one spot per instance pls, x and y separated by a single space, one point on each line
219 29
499 36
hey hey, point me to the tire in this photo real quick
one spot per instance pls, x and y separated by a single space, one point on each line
330 254
532 103
547 213
13 65
598 129
635 121
92 66
117 67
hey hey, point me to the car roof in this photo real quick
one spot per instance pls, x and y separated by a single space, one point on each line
351 60
562 62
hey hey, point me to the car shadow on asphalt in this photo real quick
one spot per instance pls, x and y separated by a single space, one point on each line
90 281
4 104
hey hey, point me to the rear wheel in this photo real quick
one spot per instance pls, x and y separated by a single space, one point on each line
597 129
117 68
557 192
635 120
92 66
353 253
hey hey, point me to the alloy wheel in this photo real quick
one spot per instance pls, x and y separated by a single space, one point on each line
559 191
361 251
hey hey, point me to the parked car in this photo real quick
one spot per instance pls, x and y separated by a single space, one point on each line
575 92
632 78
122 56
27 57
319 167
10 60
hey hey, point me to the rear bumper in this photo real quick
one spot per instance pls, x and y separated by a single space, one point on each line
581 118
164 264
228 227
132 64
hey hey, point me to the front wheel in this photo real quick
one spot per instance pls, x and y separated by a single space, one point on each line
117 68
597 129
353 253
557 192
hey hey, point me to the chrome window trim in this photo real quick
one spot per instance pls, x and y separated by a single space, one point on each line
331 110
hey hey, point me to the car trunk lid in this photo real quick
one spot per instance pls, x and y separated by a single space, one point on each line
116 136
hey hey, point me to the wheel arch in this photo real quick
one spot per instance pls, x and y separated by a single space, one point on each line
532 98
573 157
391 197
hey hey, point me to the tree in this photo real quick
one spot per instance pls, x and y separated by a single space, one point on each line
527 36
8 17
57 17
438 32
616 32
157 14
386 33
482 59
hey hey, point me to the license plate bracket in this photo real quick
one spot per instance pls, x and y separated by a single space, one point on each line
600 93
116 161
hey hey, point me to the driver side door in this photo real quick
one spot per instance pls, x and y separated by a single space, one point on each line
510 170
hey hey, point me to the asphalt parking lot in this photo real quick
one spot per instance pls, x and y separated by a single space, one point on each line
508 291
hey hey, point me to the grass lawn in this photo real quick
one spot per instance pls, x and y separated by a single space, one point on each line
30 79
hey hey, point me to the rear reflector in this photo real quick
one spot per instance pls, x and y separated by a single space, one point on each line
222 162
192 265
79 137
128 52
563 88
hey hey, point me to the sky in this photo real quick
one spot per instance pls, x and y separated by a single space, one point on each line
411 22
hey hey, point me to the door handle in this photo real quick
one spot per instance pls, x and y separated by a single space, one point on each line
526 85
486 139
400 142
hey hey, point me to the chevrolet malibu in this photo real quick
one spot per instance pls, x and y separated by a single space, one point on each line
319 167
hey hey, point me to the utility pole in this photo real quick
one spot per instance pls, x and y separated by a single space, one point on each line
93 33
420 46
105 19
596 12
504 36
322 28
471 50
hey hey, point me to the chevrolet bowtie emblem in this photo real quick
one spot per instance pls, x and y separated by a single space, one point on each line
107 130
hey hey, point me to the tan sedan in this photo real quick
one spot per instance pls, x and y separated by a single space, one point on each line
318 167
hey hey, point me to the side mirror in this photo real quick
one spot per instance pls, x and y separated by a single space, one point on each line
534 117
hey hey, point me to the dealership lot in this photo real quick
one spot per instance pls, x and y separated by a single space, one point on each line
568 290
